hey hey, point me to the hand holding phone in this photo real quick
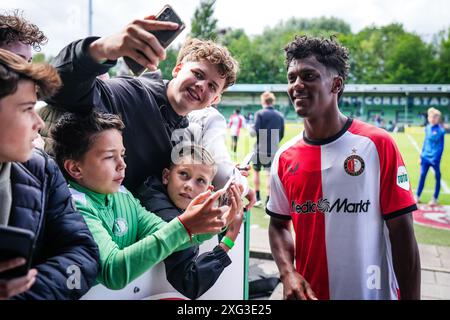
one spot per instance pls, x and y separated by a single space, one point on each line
246 161
165 37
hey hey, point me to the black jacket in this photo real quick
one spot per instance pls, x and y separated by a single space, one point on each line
268 119
142 102
187 271
63 245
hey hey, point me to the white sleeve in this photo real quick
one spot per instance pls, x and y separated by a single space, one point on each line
213 138
278 204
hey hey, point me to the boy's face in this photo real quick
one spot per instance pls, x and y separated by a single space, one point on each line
434 118
102 168
310 87
195 85
19 123
187 180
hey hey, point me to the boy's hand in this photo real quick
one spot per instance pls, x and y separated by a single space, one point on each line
243 170
135 41
236 204
236 211
15 286
202 216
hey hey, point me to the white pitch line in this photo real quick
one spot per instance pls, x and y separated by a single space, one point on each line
445 188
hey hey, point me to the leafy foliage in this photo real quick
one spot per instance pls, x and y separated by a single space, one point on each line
203 24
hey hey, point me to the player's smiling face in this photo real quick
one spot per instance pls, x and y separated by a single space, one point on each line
310 87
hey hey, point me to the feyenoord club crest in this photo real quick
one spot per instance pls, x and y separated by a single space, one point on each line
354 165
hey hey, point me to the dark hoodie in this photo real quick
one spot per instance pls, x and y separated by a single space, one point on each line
187 271
141 102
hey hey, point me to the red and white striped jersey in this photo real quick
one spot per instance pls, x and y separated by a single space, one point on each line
338 193
236 123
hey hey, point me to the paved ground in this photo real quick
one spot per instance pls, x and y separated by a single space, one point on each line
435 262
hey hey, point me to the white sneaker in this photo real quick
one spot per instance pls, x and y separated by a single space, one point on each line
433 202
258 204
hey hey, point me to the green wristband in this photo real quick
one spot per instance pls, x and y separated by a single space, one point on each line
228 242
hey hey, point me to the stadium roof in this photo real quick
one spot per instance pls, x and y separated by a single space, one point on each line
352 88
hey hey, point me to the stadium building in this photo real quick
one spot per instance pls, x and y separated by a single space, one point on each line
390 103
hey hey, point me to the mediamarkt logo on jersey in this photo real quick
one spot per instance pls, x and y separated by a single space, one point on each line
323 205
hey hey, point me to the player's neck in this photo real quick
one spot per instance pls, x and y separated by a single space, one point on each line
325 127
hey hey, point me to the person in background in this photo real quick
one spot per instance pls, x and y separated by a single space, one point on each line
20 36
269 131
433 147
236 123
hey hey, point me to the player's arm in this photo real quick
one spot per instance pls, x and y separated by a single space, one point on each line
295 287
405 255
280 238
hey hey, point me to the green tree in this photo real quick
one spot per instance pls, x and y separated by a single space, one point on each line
39 57
367 51
322 26
167 65
388 54
203 24
407 60
441 66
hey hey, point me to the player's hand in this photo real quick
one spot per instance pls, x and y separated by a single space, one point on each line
135 41
15 286
295 287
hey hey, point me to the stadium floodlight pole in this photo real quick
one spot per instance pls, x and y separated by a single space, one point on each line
406 109
90 18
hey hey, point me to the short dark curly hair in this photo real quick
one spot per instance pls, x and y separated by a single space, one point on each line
14 27
74 134
327 51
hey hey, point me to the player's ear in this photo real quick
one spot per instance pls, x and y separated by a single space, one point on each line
338 85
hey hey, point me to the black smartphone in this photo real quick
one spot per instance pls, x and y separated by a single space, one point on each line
16 243
165 37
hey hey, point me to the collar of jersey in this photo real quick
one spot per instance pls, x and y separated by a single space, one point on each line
321 142
100 199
